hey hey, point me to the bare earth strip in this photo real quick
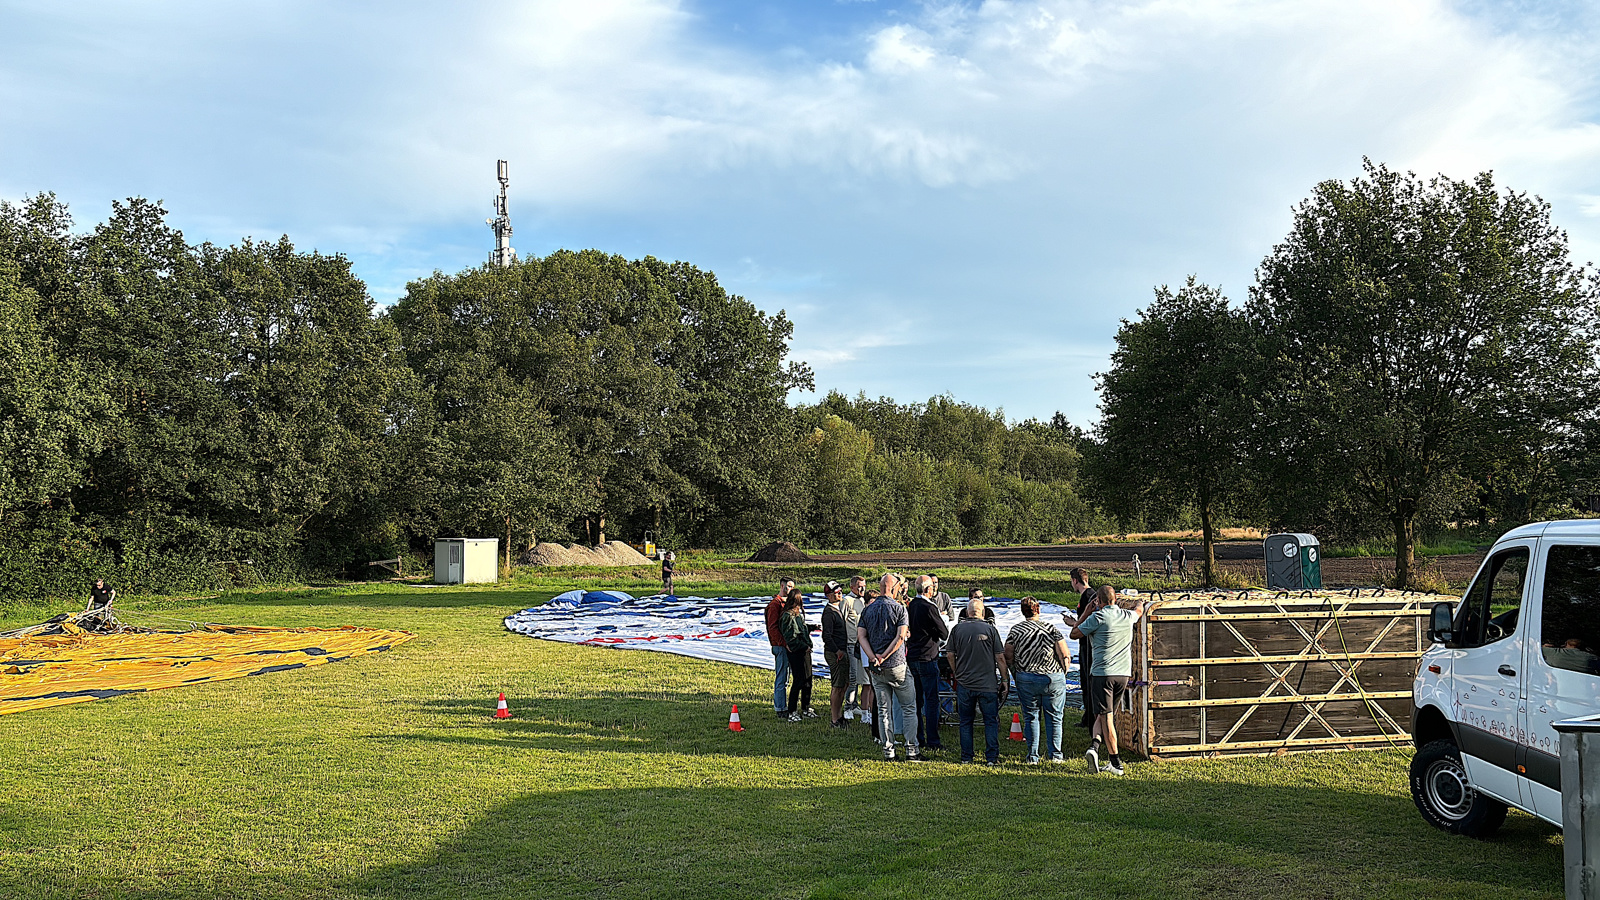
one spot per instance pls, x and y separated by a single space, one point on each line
1240 556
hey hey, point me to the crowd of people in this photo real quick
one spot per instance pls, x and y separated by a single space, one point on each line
884 647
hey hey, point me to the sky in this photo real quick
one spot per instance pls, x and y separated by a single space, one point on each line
959 198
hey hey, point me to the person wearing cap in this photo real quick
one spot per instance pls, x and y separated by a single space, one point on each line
835 650
780 648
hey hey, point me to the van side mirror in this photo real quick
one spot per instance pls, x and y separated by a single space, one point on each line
1440 622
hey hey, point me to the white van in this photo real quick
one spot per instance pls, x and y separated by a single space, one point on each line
1520 651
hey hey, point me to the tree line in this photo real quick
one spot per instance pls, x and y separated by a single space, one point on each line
186 416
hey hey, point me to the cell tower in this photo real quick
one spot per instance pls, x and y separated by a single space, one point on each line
502 255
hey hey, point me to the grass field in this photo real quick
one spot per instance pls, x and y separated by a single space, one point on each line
385 776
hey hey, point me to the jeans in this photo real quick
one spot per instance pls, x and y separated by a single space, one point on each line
800 691
926 675
780 655
1046 693
967 704
896 683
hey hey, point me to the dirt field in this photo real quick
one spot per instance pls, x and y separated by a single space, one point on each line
1241 556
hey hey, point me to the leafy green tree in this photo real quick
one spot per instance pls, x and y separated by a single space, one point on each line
1175 407
1405 320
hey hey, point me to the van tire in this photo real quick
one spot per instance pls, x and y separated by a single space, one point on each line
1440 789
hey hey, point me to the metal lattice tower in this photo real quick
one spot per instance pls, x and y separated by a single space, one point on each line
502 255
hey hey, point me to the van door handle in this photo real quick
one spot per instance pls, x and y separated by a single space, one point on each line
1508 671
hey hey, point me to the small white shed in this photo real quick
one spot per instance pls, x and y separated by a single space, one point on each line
466 560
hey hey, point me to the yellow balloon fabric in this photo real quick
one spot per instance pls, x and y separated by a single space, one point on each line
79 666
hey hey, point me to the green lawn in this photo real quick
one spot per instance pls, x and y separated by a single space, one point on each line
385 776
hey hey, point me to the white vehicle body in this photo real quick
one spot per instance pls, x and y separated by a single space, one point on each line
1521 651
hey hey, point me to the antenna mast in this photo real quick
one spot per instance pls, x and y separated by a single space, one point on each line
502 255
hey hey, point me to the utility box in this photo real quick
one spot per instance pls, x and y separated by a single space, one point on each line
466 560
1294 562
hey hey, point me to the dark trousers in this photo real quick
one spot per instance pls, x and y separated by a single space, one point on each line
1091 704
968 704
800 688
926 675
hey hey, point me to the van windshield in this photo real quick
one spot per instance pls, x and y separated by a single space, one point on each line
1489 610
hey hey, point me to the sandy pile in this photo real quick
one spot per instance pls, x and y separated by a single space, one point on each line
611 553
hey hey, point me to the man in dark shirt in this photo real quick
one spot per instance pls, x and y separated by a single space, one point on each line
780 649
836 650
669 564
1080 583
974 652
928 632
1183 561
101 595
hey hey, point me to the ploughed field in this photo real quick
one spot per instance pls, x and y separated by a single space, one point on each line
1243 557
387 776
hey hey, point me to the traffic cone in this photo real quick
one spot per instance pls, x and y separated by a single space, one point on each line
733 719
500 710
1016 726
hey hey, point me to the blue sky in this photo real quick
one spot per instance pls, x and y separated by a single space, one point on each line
944 197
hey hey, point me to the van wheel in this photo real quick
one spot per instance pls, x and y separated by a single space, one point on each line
1440 788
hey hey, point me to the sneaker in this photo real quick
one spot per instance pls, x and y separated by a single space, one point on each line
782 713
888 754
991 763
915 755
810 714
1093 759
795 717
1057 759
866 717
839 723
1114 770
1031 761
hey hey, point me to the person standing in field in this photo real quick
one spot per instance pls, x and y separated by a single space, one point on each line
780 649
669 564
1110 627
101 595
974 653
1086 595
1136 570
860 694
1038 657
1166 566
884 629
928 632
797 641
942 600
1183 561
836 650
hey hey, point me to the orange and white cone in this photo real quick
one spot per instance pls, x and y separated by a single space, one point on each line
1016 726
501 711
733 719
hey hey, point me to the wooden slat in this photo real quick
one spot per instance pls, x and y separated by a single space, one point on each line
1278 698
1297 743
1330 656
1324 614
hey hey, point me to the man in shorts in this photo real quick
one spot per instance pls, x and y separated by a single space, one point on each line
1109 627
836 651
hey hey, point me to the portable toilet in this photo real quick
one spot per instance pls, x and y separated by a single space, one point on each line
466 560
1294 562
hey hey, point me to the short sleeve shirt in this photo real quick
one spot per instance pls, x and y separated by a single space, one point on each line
883 619
975 644
850 607
1110 631
1033 647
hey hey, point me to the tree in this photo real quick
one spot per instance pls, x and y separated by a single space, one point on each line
1174 406
1405 320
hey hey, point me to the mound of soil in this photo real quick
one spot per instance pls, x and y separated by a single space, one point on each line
782 552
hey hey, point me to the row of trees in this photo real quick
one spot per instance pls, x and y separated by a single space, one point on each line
1414 351
176 416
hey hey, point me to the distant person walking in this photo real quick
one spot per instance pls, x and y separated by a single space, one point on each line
975 653
1038 657
669 564
797 640
780 648
1110 627
1166 566
836 651
883 632
1086 595
928 633
1136 570
1183 561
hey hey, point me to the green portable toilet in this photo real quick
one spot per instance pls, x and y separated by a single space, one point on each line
1294 562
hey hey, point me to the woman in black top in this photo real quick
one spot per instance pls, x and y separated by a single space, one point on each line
797 640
